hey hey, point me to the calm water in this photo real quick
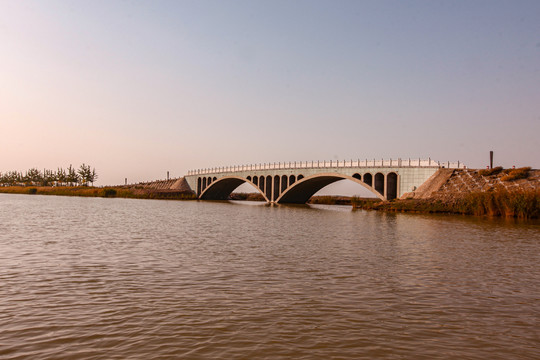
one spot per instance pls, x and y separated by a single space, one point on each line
88 278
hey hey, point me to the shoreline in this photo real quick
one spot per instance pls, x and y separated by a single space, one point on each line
521 204
105 192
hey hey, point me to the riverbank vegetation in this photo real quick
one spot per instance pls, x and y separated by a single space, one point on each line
523 204
247 197
330 200
82 176
516 174
507 174
490 172
109 192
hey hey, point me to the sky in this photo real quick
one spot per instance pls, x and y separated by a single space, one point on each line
139 88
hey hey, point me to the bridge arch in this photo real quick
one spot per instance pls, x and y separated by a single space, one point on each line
223 187
305 188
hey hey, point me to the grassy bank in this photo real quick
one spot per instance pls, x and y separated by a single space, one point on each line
523 204
87 191
330 200
247 197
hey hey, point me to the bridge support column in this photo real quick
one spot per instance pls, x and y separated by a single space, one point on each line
261 183
269 186
398 190
379 183
274 188
385 187
284 183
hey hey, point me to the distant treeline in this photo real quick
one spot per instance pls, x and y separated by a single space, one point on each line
61 177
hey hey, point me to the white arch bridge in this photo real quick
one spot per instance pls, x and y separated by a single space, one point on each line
296 182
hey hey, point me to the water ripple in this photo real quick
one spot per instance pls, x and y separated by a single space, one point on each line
130 279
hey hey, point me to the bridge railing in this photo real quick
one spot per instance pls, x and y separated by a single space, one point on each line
330 164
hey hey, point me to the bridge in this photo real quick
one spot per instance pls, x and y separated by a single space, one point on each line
297 182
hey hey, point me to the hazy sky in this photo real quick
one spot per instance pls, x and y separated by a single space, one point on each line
136 88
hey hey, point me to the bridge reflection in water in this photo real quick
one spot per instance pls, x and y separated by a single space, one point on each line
296 182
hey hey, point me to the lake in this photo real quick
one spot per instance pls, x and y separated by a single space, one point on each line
93 278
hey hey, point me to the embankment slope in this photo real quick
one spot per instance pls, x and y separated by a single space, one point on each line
472 192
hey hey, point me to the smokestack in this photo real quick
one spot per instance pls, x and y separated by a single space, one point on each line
491 159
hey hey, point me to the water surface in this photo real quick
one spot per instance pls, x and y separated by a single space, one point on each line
85 278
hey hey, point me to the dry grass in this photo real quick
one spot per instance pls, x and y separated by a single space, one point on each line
324 200
516 174
520 203
330 200
247 196
489 172
364 203
523 204
86 191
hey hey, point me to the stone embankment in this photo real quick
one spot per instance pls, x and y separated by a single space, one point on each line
179 184
447 184
161 189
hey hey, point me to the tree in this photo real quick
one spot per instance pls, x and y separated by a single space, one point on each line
34 176
85 173
93 176
48 177
14 178
72 176
61 176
